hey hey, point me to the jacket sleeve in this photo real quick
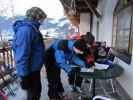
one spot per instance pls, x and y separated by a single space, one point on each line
61 61
78 61
23 50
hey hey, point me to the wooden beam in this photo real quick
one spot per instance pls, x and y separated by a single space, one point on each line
83 10
81 4
92 2
91 22
92 9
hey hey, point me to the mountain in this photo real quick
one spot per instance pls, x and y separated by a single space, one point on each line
6 23
56 25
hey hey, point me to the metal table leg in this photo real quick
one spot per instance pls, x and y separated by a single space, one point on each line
94 88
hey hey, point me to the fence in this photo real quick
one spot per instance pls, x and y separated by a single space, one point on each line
7 69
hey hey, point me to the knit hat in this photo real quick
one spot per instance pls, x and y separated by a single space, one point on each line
89 38
36 13
82 46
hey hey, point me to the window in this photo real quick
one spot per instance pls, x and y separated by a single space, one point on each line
122 31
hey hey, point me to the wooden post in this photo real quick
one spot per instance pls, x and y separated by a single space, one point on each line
91 22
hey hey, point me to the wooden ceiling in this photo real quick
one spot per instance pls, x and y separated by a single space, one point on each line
82 6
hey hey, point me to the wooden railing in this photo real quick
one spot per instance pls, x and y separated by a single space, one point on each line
7 69
6 55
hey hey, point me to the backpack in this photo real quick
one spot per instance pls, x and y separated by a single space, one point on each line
49 57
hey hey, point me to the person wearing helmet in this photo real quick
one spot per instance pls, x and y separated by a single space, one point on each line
29 50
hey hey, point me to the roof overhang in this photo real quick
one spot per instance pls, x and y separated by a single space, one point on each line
82 6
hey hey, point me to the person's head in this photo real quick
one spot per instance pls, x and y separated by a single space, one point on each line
36 14
85 45
80 48
89 38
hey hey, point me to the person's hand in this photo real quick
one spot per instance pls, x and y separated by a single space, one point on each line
25 82
88 66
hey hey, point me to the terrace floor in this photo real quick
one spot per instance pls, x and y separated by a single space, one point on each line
103 88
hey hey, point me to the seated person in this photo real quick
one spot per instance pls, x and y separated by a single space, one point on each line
103 54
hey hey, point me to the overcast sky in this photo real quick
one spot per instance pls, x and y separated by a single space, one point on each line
53 8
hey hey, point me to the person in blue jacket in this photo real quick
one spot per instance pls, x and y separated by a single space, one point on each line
63 54
29 50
